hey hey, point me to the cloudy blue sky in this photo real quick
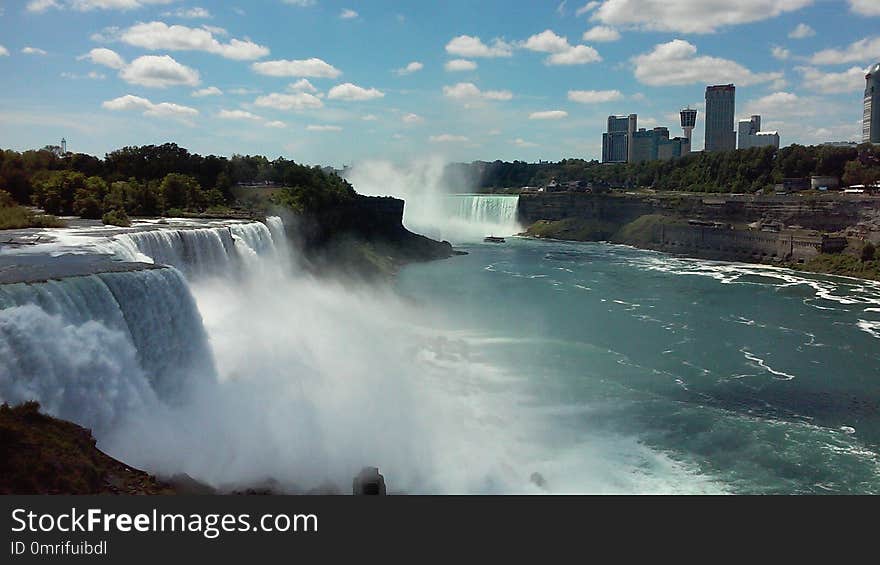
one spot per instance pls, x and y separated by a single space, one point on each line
333 82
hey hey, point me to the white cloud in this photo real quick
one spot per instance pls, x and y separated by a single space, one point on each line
159 35
468 91
594 96
520 142
323 128
4 52
865 7
302 85
850 80
93 75
802 31
300 3
412 119
352 92
780 53
577 55
370 118
779 105
40 6
471 46
105 57
161 110
315 68
194 13
209 91
159 72
411 68
862 51
588 7
547 42
601 33
33 51
458 65
348 14
691 16
447 138
562 52
548 115
216 30
106 35
296 101
275 124
238 115
677 63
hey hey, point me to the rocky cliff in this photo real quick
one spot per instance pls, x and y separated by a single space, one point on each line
824 213
710 226
364 236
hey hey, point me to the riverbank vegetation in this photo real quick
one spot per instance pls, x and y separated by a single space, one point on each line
746 170
157 180
865 266
13 216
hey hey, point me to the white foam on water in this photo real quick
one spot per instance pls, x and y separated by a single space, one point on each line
305 381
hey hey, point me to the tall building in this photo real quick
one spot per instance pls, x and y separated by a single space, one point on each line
765 139
747 129
871 118
750 134
688 123
616 142
654 144
720 109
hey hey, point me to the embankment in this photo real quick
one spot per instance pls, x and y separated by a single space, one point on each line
713 227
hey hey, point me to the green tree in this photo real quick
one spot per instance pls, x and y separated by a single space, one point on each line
88 200
180 191
55 192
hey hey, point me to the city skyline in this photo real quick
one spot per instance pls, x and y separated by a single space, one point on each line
339 82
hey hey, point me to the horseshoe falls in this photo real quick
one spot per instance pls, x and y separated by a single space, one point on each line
435 208
528 367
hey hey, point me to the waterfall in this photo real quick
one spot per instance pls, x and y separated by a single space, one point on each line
195 251
463 218
91 348
434 206
488 210
94 348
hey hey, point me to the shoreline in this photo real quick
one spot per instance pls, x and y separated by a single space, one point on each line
782 265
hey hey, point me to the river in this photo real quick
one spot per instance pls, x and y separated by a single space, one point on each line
522 367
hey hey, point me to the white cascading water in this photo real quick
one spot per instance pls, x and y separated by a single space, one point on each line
434 208
196 252
308 380
93 348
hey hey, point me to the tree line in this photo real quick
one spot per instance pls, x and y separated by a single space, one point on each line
155 180
745 170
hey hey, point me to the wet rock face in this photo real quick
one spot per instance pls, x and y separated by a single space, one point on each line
40 268
369 482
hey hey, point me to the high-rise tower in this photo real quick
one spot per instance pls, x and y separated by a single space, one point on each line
688 123
720 110
617 141
871 117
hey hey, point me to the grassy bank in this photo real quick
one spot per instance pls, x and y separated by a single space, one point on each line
19 217
572 229
842 264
